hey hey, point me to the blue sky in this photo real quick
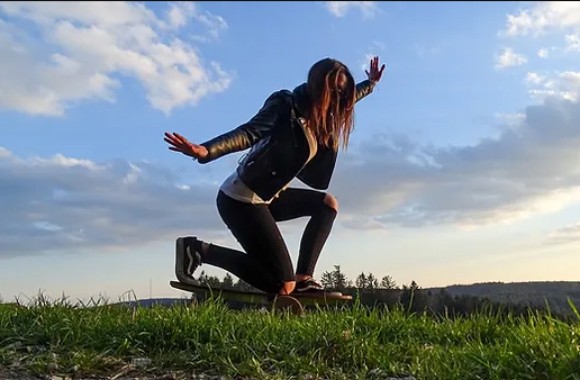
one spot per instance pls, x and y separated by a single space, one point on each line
463 167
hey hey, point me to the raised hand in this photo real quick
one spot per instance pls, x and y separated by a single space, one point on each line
182 145
375 74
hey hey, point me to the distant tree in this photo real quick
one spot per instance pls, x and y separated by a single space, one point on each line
340 280
388 283
211 281
366 282
361 281
409 295
202 277
372 282
335 279
228 282
444 302
327 280
413 286
420 298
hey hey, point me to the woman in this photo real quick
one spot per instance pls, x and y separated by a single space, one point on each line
296 134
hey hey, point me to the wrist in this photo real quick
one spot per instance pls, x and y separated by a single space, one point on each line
204 151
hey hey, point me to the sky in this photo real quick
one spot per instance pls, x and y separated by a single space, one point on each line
463 166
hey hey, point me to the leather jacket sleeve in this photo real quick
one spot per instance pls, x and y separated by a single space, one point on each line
248 134
364 88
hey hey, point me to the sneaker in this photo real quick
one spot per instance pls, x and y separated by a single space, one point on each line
309 285
313 288
187 259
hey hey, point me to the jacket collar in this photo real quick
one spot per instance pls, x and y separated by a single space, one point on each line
301 99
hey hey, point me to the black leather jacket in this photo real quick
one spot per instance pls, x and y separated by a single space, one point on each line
279 147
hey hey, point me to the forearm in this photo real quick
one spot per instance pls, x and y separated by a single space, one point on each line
247 134
230 142
364 88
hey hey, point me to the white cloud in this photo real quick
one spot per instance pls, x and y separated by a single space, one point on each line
365 64
533 167
509 58
4 153
511 120
543 17
80 51
539 18
341 8
563 85
215 24
534 78
371 53
573 42
560 18
543 53
66 203
178 14
61 161
63 203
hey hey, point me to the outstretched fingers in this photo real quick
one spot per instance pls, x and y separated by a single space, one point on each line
177 141
182 139
374 73
169 138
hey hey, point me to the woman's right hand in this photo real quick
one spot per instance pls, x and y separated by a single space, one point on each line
180 144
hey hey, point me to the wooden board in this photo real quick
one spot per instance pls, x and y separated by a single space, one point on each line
262 298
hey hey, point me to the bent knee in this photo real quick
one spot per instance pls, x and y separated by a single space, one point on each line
330 201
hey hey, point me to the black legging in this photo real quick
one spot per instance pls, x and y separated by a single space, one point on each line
266 263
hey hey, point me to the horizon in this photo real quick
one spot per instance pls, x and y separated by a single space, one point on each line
125 297
463 166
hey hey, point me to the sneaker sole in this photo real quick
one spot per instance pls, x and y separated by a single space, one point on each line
179 260
313 292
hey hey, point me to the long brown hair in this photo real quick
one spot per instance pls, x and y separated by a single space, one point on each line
331 112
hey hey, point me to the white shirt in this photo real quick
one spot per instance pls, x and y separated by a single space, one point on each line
235 188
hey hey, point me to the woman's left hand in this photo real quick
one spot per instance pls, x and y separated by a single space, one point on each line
375 74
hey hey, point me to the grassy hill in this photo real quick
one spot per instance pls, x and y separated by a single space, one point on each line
555 294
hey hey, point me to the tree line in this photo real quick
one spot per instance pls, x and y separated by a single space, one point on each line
334 279
373 291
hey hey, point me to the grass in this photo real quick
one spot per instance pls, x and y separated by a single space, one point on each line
355 343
